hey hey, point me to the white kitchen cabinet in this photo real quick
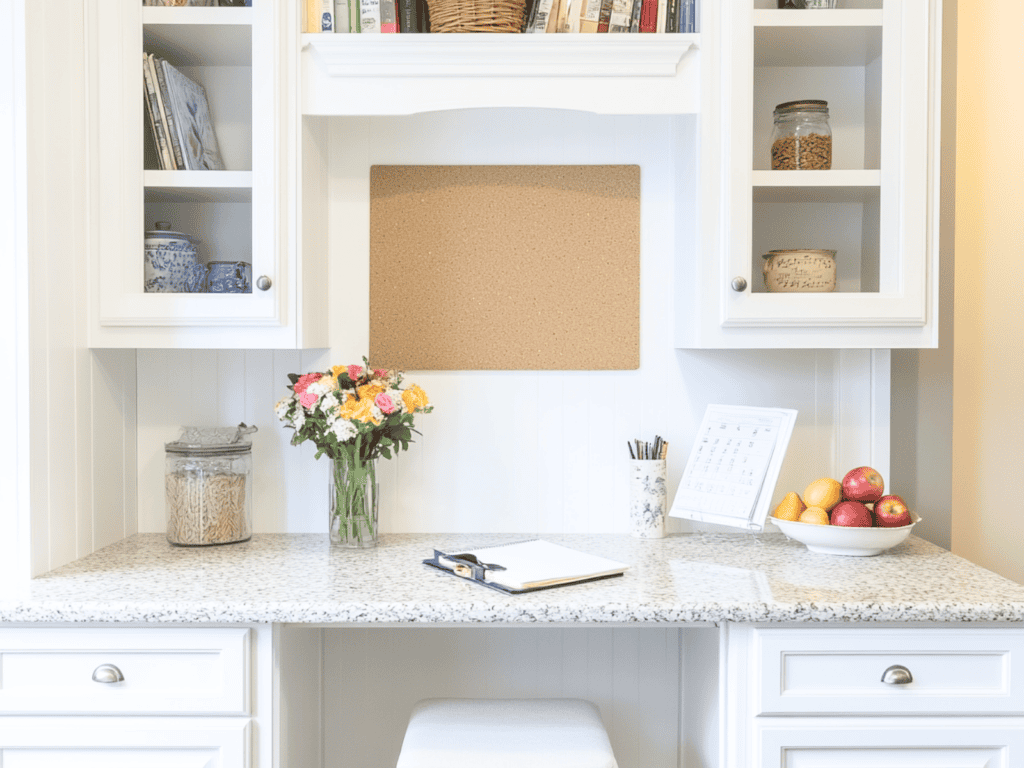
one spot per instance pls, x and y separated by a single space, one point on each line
163 671
876 63
870 744
89 697
243 57
817 697
87 742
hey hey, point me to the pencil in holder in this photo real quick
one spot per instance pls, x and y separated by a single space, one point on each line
647 498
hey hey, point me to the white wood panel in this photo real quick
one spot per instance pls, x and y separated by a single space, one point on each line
91 742
80 416
632 675
14 466
504 451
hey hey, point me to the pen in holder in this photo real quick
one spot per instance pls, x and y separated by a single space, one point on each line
647 498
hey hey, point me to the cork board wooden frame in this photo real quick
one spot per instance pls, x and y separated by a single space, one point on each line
505 267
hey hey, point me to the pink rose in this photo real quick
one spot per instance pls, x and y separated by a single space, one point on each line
308 399
304 381
385 403
380 373
355 371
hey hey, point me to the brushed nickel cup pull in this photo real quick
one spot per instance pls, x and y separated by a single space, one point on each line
107 673
263 283
739 284
897 674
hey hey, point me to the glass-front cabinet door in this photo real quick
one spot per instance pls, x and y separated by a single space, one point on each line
828 181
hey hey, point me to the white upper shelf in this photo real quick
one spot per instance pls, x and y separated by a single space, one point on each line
609 74
831 38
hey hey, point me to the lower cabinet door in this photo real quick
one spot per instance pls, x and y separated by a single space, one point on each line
124 742
883 744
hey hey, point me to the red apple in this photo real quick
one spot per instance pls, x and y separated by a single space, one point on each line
891 512
863 484
852 514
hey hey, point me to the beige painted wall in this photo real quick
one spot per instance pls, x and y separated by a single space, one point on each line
988 361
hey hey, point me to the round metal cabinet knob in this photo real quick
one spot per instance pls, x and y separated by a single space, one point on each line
107 673
263 283
739 284
897 674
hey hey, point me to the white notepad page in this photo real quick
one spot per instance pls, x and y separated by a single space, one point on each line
539 563
734 465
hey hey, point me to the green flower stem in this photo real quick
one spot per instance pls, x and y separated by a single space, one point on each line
354 502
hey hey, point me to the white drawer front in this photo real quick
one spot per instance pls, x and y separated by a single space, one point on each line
166 671
89 742
839 671
932 744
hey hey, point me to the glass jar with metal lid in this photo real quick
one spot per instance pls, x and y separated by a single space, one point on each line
208 483
802 138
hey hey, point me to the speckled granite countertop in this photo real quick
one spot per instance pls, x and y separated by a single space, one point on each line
690 578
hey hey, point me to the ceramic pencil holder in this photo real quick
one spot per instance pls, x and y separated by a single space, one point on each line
647 498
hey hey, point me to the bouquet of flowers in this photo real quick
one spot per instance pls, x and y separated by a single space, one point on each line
353 414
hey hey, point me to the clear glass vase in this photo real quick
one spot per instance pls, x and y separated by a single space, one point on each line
354 497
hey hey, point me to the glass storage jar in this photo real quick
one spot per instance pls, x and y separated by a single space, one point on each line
802 138
208 483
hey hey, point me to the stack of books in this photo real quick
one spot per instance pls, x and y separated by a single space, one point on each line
179 116
542 16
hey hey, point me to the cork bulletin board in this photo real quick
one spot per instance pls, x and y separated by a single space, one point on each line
511 267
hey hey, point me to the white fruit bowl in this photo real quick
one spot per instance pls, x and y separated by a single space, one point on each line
841 540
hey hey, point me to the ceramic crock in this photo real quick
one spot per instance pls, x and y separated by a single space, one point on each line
229 277
172 262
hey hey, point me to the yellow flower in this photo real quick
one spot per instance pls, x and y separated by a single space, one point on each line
357 410
337 370
414 398
369 391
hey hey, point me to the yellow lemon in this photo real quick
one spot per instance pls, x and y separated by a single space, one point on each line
815 515
790 507
824 493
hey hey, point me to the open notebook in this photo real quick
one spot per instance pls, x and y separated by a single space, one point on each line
526 566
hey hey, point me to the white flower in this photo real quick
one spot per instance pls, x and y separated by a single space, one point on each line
321 387
343 430
283 406
396 398
378 414
329 405
299 419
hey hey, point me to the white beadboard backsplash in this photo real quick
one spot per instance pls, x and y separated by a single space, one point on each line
503 451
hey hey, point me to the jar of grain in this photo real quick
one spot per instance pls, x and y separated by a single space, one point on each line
802 138
208 483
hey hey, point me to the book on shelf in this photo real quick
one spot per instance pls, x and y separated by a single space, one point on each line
672 16
342 19
634 18
661 12
170 119
622 12
590 16
325 16
369 16
184 3
541 16
408 16
192 122
156 120
605 17
649 15
388 16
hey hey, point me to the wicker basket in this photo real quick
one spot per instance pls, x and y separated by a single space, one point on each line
476 15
